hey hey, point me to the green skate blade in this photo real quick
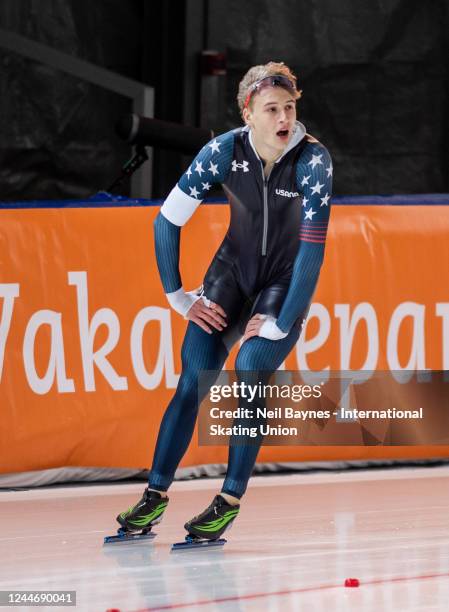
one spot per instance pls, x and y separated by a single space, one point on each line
191 544
123 538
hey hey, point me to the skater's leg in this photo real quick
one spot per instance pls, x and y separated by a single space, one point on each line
257 359
200 351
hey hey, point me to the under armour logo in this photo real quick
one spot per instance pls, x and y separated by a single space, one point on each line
243 165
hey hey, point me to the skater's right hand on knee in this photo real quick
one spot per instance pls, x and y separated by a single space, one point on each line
206 315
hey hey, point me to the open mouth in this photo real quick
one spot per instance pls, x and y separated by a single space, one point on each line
282 134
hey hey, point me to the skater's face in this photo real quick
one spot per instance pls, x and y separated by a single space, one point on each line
271 116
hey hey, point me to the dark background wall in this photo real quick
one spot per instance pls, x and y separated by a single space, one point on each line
374 75
57 136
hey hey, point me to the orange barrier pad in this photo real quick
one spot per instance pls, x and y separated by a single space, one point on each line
90 352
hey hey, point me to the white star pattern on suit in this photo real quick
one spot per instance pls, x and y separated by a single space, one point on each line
309 214
215 146
317 187
199 168
325 200
316 159
213 168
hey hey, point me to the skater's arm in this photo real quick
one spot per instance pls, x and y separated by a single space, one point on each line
210 166
314 179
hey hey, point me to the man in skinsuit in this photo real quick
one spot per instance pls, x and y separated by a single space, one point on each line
261 280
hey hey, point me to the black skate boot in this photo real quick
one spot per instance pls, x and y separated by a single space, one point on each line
207 528
138 520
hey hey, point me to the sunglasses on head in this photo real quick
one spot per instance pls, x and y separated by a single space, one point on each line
277 80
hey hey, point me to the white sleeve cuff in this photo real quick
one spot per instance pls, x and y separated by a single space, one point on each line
270 330
182 301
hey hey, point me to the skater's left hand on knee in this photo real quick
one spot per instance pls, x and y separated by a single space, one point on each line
253 326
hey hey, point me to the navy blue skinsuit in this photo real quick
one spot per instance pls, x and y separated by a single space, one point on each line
268 263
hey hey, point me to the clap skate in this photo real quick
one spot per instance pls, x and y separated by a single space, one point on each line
137 522
206 529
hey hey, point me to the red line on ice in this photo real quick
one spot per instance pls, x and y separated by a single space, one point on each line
324 587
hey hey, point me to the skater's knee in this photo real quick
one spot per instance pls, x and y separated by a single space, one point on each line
188 381
247 362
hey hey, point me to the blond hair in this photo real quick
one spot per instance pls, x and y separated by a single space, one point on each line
256 73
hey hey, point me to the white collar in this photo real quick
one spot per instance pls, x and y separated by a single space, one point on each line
299 132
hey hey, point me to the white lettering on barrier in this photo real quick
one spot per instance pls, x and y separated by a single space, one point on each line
9 292
104 316
164 360
56 361
417 360
164 368
304 347
441 310
348 325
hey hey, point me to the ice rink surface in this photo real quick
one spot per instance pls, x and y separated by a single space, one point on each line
296 540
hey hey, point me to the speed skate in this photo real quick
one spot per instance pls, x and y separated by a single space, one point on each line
206 529
192 541
123 536
137 521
